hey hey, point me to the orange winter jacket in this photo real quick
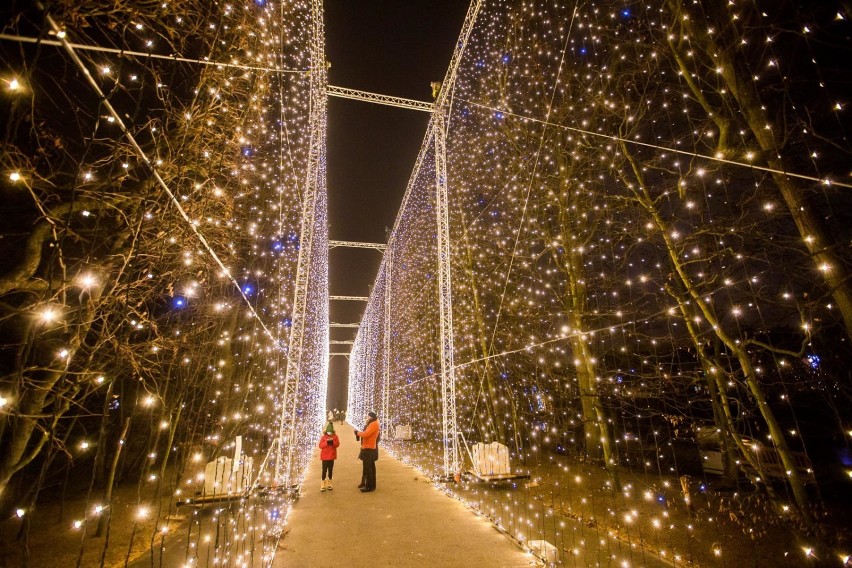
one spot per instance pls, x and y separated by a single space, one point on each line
369 435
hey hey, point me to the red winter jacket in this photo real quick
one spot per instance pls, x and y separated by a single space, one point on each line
328 450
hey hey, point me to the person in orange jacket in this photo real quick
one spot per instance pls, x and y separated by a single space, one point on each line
328 453
369 452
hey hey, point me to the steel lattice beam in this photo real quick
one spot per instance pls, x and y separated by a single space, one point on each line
357 244
353 298
366 96
355 325
340 342
445 302
452 465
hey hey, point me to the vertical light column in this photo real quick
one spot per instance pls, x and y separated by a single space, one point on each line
386 380
445 299
357 406
316 158
440 123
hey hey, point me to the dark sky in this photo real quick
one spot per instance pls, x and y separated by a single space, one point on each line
392 47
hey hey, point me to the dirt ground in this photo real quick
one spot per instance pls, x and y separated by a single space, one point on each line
54 540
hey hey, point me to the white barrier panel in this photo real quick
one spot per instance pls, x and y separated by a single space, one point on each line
491 459
225 476
402 432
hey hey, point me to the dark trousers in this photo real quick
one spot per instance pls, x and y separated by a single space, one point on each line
327 467
368 460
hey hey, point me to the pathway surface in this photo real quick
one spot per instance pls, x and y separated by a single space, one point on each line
405 523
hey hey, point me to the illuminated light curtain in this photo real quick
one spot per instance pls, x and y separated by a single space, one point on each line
635 287
181 318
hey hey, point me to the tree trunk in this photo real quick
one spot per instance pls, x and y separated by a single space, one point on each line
110 482
769 137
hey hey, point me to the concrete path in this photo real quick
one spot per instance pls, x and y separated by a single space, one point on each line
406 522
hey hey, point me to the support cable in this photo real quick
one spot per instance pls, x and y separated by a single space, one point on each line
610 137
142 54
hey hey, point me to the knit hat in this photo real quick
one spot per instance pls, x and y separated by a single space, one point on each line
372 415
329 429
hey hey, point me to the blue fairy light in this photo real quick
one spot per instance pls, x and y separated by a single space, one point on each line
813 360
179 302
498 115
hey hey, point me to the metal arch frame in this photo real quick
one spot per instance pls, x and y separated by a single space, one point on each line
366 96
435 131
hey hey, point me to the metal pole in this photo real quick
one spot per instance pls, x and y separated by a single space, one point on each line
445 301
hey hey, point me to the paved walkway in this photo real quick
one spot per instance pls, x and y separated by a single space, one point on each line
405 523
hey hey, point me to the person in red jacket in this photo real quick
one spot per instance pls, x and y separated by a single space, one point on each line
328 453
369 452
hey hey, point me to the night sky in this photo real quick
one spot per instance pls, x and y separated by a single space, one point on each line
395 48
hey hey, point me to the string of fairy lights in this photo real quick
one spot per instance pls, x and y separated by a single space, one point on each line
235 227
643 271
642 313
